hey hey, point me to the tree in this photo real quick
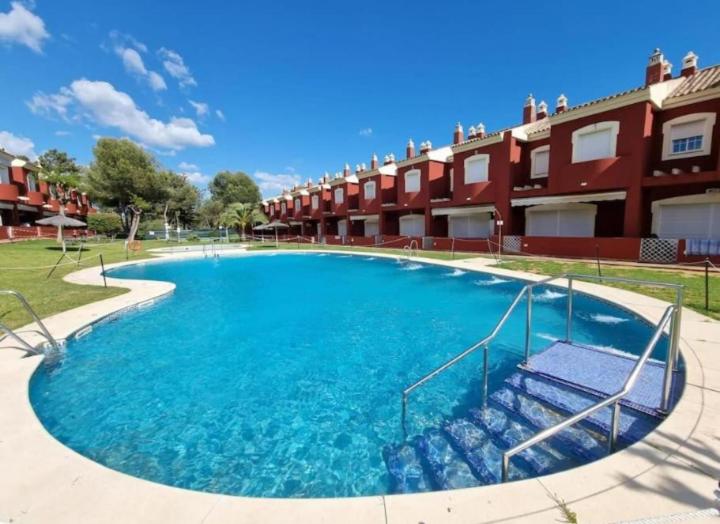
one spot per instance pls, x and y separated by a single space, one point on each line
56 161
126 177
209 213
105 223
183 200
62 173
230 188
240 216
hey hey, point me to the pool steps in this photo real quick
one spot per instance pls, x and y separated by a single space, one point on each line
467 451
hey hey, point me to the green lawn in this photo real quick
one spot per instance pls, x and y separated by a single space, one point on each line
48 296
693 281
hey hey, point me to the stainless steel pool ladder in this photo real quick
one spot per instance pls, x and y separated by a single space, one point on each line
43 330
613 400
527 291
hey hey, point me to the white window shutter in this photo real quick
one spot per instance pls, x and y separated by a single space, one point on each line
595 145
687 129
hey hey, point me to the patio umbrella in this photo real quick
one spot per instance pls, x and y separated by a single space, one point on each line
60 221
276 224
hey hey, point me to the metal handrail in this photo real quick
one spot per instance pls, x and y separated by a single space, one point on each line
612 399
527 289
27 347
32 313
670 362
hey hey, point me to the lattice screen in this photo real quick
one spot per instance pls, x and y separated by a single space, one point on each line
659 250
512 243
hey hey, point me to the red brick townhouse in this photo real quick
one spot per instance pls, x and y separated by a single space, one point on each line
24 198
634 175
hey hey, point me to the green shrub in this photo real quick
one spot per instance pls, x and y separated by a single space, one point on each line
105 223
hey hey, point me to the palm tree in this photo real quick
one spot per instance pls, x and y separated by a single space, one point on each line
240 216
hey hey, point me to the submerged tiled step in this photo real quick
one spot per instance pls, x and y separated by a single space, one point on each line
578 441
541 459
633 424
478 449
406 469
603 372
447 468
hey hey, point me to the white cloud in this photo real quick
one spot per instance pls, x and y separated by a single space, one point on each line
17 145
22 26
201 108
62 133
187 166
366 131
220 115
272 184
176 68
196 178
99 102
128 49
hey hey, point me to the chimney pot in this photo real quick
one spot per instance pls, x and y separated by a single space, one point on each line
425 147
458 136
655 70
480 130
471 132
542 110
667 70
392 157
386 160
529 114
374 161
346 170
689 64
362 167
561 105
410 149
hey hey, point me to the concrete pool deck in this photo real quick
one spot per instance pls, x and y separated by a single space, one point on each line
673 470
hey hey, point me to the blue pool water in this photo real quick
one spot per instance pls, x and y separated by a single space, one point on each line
280 375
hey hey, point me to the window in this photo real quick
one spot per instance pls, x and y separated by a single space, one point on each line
540 162
476 169
372 228
298 205
4 173
283 208
31 182
561 220
470 226
595 141
339 196
342 228
315 201
688 136
369 190
688 217
53 191
452 179
412 181
412 225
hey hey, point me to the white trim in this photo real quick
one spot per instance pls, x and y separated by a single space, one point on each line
369 218
479 142
709 122
461 211
565 199
612 125
479 157
533 154
419 177
22 207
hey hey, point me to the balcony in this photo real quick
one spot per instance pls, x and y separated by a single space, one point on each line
8 192
52 205
35 198
71 208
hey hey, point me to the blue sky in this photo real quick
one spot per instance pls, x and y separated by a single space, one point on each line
288 90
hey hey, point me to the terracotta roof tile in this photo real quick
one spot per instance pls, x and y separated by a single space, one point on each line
703 79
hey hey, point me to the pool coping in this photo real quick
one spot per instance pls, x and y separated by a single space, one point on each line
672 470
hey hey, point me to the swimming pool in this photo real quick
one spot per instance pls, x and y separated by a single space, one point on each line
279 376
